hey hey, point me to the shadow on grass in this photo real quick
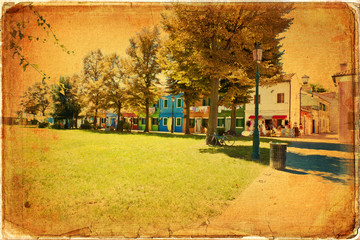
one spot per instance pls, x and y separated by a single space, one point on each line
240 152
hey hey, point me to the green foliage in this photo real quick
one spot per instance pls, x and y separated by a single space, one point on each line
56 125
36 99
86 125
144 69
318 88
66 105
43 124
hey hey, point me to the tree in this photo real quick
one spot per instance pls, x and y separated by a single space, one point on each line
183 73
233 93
223 37
318 88
93 89
17 27
66 105
144 69
36 98
115 81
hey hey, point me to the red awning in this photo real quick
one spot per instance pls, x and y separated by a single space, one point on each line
128 115
253 117
279 117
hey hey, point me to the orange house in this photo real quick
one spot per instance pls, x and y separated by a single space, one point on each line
199 116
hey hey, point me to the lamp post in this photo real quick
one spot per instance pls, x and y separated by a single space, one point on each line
257 54
172 114
305 80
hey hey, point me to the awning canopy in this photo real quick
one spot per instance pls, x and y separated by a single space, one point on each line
128 115
253 117
279 117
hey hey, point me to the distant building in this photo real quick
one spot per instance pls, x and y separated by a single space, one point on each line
224 118
279 104
153 118
199 116
348 92
171 113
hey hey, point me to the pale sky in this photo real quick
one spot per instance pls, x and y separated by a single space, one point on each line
316 43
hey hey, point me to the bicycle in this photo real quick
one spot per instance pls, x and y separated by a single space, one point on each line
224 139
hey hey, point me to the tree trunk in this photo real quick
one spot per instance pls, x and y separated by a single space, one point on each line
214 97
119 126
95 119
147 116
187 125
233 118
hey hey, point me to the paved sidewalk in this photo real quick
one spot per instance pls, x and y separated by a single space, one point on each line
313 197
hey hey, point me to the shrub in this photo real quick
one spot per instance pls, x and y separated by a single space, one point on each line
34 122
85 125
127 126
43 124
56 125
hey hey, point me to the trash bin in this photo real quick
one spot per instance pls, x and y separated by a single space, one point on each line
278 155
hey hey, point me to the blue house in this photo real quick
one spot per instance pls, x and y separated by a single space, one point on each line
171 107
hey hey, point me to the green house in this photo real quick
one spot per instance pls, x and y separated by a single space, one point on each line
224 118
154 119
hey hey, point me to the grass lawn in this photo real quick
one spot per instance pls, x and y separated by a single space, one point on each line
57 181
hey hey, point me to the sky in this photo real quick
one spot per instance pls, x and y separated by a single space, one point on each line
318 41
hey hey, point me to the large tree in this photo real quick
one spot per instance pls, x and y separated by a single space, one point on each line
36 99
93 89
232 94
144 69
115 81
183 73
66 105
223 37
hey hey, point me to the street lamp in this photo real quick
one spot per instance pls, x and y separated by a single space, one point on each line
305 80
257 55
172 114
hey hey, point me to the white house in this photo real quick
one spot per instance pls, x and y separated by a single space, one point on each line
279 104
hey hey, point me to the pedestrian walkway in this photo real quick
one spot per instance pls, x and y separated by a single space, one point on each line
312 197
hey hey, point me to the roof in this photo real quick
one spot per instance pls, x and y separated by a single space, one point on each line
343 73
288 77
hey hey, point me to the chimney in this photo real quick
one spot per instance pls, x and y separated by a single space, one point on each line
343 67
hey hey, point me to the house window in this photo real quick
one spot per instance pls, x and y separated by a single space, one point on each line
280 98
204 102
154 121
204 122
258 99
221 122
135 121
209 101
178 121
191 122
178 103
165 103
240 122
143 121
165 121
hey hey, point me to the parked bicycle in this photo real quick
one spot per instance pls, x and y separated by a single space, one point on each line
224 139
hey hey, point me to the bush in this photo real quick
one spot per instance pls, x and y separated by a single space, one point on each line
56 126
127 126
85 125
34 122
43 124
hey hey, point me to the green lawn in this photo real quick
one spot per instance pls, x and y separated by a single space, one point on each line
57 181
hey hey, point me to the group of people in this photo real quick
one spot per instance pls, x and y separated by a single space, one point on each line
280 130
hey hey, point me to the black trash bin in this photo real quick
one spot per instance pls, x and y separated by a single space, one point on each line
278 155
